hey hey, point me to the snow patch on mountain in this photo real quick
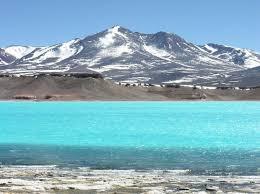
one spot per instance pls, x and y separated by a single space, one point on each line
115 51
206 59
251 60
182 80
210 49
2 62
19 51
160 53
116 67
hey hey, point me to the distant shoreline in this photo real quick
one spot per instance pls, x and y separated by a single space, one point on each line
88 88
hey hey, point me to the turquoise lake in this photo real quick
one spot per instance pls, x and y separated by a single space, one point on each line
221 136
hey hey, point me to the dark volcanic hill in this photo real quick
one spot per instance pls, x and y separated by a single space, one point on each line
123 55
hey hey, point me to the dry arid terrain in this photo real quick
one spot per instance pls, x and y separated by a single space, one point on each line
50 87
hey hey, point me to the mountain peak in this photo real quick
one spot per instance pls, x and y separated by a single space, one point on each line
115 27
112 35
118 28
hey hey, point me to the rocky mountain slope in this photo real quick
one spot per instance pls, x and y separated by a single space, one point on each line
5 58
127 56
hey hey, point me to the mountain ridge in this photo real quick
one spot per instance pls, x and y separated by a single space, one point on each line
126 56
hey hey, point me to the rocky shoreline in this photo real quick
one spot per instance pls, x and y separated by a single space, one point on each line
52 179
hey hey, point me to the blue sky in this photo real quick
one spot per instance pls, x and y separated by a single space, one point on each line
45 22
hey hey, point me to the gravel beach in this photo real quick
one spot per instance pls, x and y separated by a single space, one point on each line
51 179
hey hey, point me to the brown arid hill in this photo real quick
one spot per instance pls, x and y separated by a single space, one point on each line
91 88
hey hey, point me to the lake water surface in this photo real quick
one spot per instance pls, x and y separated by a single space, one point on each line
205 137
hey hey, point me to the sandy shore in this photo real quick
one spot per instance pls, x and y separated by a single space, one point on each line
50 179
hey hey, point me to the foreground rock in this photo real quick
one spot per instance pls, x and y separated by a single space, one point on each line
50 179
86 87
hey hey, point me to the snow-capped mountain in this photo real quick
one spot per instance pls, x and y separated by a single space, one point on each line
123 55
